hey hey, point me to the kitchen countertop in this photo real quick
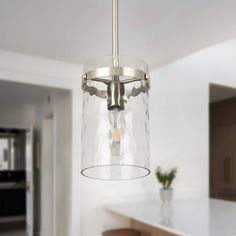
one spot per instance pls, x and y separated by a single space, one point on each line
12 185
185 217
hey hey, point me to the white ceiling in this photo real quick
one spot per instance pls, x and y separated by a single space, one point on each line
158 31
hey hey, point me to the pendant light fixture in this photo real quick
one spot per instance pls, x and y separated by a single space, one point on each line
115 129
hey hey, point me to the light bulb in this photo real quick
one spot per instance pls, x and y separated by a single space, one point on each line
116 133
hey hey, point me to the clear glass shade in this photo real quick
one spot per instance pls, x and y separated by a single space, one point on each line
115 143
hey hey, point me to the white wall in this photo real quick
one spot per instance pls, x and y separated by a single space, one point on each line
17 116
179 115
179 128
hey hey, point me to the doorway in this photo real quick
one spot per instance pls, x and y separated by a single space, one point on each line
222 142
36 113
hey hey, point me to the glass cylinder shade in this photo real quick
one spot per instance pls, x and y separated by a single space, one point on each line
115 137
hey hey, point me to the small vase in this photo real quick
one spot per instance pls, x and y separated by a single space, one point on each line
166 194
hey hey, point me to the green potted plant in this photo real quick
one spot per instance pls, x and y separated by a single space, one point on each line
166 179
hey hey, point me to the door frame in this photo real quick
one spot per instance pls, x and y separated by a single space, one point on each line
30 186
32 70
49 124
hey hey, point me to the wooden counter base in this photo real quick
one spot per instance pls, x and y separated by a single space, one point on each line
148 230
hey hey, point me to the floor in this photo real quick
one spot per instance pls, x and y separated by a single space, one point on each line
12 229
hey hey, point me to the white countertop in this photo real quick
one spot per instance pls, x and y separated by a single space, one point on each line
185 217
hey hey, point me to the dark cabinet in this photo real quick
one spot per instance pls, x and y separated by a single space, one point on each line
223 149
12 202
12 193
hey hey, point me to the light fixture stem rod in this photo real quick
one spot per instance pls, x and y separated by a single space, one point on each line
115 35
